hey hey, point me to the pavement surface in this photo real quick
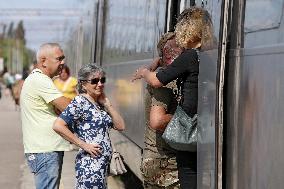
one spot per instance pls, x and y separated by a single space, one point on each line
14 173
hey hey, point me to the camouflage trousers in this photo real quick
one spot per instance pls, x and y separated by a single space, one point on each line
160 173
150 186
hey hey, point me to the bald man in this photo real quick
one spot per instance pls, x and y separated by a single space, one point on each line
44 149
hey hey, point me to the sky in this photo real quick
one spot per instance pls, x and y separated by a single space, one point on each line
44 20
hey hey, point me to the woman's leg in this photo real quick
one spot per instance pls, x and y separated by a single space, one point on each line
187 169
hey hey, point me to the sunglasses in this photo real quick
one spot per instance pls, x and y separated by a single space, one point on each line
96 80
60 58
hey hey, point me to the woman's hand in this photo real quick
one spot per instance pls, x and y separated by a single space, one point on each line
149 77
118 122
103 100
93 149
61 127
139 73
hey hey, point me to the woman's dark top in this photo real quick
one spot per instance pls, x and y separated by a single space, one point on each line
186 68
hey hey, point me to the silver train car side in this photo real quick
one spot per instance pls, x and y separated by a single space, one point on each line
241 93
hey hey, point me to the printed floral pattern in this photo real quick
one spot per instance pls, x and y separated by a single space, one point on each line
91 124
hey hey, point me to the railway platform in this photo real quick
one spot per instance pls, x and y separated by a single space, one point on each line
14 172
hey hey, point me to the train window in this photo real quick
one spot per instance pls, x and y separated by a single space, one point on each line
213 7
79 46
263 23
262 14
190 3
132 29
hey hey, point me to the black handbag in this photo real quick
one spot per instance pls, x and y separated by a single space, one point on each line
181 131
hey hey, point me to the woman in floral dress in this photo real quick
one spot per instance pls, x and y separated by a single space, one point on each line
90 116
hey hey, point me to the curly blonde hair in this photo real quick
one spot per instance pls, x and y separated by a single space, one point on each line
194 25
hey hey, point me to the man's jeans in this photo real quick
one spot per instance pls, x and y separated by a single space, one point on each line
46 168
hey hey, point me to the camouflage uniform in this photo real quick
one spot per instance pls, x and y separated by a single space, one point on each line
159 167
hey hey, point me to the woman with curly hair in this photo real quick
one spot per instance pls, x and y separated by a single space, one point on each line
193 33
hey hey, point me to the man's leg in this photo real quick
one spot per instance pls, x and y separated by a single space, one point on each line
46 168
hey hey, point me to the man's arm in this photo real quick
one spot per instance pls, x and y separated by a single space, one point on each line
61 103
159 118
155 64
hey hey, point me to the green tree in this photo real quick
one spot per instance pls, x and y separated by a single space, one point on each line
20 32
13 48
10 32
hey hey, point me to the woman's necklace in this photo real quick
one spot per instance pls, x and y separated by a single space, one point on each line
97 106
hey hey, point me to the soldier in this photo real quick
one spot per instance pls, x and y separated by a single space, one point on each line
159 166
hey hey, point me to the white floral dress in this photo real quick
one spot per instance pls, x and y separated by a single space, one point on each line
91 124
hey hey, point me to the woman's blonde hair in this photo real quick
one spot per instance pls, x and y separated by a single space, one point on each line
194 25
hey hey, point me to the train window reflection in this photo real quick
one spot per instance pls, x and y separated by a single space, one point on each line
213 7
262 14
132 29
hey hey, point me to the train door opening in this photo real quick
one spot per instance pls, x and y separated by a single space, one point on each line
210 92
210 96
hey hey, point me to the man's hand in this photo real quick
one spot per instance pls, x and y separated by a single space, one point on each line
57 111
61 103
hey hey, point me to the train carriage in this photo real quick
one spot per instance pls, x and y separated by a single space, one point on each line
240 83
